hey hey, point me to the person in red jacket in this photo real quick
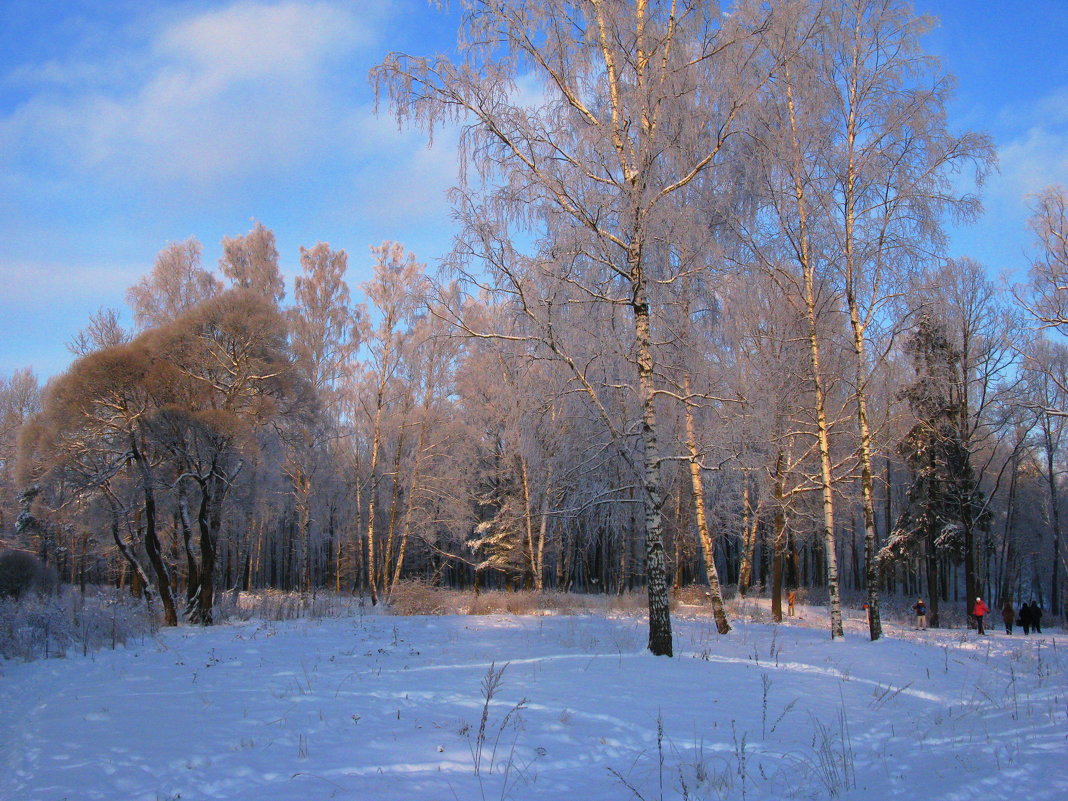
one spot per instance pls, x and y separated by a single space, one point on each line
979 610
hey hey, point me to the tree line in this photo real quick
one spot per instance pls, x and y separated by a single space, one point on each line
697 326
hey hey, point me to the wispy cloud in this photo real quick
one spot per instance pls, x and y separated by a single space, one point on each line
163 123
250 88
38 284
1032 153
1037 155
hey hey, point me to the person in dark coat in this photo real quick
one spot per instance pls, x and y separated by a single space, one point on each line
1036 617
920 608
1008 614
1025 618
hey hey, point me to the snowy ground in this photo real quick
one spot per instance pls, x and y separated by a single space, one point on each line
377 707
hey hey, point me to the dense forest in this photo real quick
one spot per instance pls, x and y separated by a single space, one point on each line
698 326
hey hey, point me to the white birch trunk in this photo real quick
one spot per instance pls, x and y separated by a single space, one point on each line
707 543
823 439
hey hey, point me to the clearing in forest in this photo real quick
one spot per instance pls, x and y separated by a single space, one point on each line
373 707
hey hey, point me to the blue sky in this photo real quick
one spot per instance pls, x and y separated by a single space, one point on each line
128 124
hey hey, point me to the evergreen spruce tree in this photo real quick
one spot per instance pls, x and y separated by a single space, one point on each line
944 500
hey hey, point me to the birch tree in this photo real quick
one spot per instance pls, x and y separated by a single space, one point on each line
770 376
427 373
396 290
176 284
591 116
787 239
324 335
251 262
892 157
1046 296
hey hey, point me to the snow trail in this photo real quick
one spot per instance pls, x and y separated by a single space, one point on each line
379 707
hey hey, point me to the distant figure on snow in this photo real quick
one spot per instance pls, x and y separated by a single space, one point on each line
1036 617
920 608
1008 614
791 599
980 610
1025 618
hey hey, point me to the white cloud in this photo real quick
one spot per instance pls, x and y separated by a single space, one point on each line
38 284
1032 154
253 41
408 179
248 89
1037 159
1038 154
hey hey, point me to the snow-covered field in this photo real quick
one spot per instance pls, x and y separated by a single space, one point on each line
378 707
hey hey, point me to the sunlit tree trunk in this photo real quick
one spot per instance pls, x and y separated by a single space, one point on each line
707 543
655 562
372 498
808 277
529 551
858 327
778 542
749 530
413 486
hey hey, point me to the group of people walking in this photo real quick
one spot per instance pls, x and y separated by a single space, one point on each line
1029 617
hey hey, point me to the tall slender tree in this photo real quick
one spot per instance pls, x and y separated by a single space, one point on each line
944 500
251 262
176 284
636 101
1046 295
893 159
324 335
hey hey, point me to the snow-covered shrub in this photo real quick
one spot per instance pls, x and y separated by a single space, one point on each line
498 602
691 595
422 598
281 605
41 627
630 603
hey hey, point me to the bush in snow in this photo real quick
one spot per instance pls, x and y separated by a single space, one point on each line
22 573
281 605
421 598
42 627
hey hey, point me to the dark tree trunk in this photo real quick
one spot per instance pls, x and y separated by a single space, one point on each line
1055 519
192 586
152 544
932 581
208 521
778 543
